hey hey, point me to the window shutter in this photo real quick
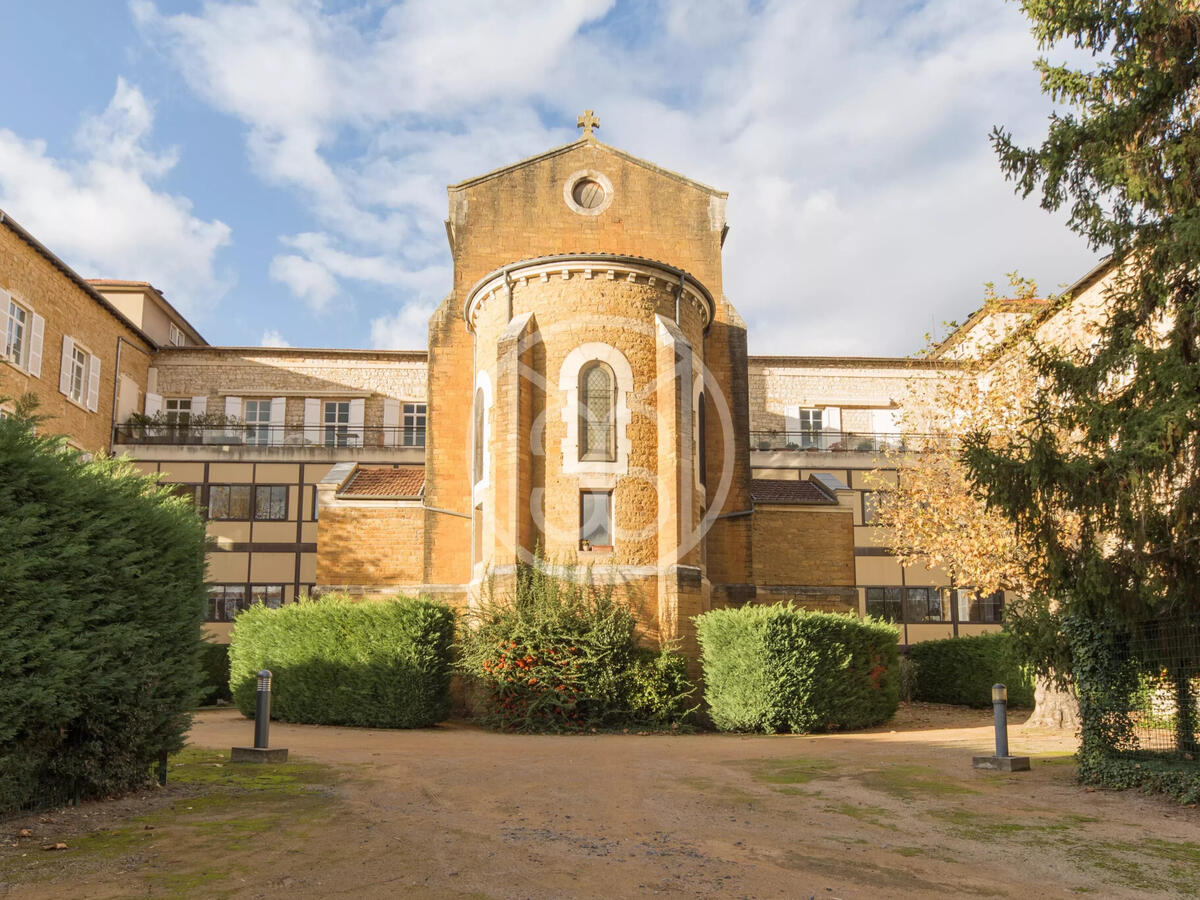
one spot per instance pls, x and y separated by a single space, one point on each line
4 308
93 383
35 346
832 418
278 408
200 405
233 407
312 420
357 415
391 421
64 370
153 404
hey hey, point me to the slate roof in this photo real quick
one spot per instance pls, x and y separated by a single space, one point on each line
806 493
386 482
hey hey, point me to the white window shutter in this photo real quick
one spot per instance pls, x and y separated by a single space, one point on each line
391 421
312 420
357 416
278 408
832 420
233 407
93 383
64 371
4 307
200 405
153 404
36 337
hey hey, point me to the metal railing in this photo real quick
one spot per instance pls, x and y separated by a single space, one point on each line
843 441
335 436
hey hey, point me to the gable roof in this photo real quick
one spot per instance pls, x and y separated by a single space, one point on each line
583 142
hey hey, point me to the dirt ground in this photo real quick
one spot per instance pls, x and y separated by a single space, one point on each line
457 811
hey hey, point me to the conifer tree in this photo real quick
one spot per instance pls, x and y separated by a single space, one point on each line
1114 437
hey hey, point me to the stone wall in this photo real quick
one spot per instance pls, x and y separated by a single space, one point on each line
370 546
41 287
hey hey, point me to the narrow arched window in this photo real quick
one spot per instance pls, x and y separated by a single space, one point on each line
597 412
701 442
477 437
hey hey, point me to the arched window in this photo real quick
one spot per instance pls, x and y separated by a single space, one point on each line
477 437
597 412
701 443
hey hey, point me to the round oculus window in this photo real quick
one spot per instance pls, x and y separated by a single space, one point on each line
588 193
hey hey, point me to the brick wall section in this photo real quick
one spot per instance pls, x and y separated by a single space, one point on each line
370 545
800 545
39 285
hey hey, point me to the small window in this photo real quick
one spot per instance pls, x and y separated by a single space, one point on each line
176 336
16 337
595 520
884 603
923 604
225 601
257 416
178 410
477 437
597 413
270 595
79 372
193 493
270 502
702 440
337 423
810 427
229 502
316 502
982 610
414 425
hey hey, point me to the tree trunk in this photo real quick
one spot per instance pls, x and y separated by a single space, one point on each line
1053 708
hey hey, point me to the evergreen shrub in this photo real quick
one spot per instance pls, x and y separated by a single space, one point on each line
214 663
962 670
334 661
779 668
101 602
562 654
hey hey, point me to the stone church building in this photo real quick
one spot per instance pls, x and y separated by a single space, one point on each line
586 394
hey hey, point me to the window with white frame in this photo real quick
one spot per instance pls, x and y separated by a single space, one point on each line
177 410
414 425
337 423
257 416
810 427
79 372
595 520
175 337
16 337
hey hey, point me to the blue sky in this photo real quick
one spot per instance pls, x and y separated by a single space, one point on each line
278 168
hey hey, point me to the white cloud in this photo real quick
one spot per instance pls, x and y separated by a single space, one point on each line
864 200
272 338
407 329
103 213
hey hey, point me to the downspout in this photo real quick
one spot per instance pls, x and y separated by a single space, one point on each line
679 295
508 288
112 431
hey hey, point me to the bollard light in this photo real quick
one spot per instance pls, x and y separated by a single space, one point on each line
261 751
1001 761
999 694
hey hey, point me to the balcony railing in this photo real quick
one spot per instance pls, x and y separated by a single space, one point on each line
843 441
334 436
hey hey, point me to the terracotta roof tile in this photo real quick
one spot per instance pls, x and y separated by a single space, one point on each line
770 490
394 482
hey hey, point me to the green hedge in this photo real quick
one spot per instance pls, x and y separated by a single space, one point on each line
101 603
962 670
214 663
561 654
336 662
778 668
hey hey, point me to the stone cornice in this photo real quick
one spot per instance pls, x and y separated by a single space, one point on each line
633 269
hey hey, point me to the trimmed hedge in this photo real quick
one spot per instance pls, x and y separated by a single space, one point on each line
101 602
214 663
962 670
779 668
379 664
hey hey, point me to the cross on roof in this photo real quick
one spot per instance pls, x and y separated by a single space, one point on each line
587 122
